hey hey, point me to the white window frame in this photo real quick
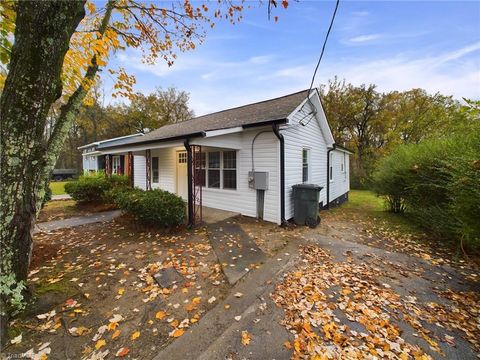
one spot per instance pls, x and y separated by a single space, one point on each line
221 168
330 169
158 169
308 165
116 167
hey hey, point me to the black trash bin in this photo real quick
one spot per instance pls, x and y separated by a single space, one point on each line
305 199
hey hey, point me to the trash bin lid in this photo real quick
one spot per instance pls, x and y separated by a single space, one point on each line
308 186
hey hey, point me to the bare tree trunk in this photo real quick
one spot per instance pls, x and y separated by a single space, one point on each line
42 36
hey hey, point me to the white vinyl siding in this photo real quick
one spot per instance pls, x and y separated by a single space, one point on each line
242 199
298 137
168 169
139 174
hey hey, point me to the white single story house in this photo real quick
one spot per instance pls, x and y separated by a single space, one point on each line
93 160
245 159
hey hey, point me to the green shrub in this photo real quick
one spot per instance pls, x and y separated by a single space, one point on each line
153 207
437 184
95 187
48 195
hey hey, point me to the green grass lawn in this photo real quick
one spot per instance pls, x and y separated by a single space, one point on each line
58 187
365 204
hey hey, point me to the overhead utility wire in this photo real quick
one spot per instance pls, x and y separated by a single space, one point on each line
319 61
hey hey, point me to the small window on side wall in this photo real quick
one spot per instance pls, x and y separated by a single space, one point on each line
305 165
330 169
155 170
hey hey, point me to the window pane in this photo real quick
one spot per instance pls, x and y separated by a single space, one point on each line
230 160
155 172
213 177
182 157
305 156
305 173
229 179
214 159
305 165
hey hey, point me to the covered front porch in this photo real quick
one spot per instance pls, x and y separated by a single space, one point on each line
198 173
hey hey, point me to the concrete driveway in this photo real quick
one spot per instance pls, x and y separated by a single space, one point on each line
249 325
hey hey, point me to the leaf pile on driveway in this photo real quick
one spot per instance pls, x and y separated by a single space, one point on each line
358 227
97 297
344 310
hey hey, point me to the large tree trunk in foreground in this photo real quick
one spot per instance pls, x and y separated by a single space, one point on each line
42 36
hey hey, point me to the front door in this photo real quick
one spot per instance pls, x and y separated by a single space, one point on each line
182 177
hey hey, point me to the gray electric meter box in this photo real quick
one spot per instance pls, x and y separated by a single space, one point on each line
258 180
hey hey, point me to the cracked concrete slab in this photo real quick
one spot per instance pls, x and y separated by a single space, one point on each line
236 251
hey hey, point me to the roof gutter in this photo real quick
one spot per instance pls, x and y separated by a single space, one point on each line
265 123
277 133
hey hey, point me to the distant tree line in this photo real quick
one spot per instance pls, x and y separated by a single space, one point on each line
144 113
374 123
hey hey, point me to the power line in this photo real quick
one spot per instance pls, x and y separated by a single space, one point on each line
321 56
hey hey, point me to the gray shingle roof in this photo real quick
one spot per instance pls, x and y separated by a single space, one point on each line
246 115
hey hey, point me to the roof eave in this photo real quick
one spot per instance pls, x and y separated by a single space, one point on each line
173 138
265 123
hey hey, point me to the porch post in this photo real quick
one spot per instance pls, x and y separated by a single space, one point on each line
148 169
130 168
108 165
191 219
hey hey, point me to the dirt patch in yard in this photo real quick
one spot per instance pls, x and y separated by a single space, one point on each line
64 209
269 237
96 296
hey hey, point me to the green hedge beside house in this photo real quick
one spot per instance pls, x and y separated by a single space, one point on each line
95 187
437 184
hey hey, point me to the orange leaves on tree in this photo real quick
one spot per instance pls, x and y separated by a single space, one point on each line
91 7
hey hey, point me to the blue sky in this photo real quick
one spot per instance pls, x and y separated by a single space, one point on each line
396 45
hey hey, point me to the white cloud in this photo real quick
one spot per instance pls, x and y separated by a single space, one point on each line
360 13
364 38
215 84
451 73
263 59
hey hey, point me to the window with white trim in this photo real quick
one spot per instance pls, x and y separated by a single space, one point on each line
229 169
182 157
155 169
116 165
214 169
305 165
219 169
